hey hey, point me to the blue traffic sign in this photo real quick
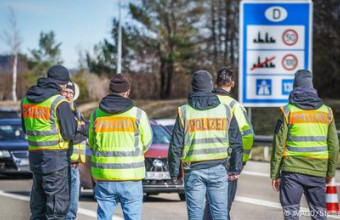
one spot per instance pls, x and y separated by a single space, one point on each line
275 42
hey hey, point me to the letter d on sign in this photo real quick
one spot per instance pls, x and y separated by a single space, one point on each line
276 14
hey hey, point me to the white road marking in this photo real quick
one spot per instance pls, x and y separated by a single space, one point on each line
81 211
252 173
270 204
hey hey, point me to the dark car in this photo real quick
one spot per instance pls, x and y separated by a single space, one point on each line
157 178
6 113
13 147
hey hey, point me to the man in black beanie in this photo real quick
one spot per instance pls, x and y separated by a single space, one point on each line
119 135
49 125
305 150
201 137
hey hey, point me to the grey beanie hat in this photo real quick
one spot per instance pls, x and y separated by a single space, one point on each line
202 81
303 78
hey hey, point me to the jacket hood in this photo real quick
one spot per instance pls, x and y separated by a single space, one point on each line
219 91
115 104
305 98
203 100
44 89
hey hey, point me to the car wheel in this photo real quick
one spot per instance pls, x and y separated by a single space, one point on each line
182 196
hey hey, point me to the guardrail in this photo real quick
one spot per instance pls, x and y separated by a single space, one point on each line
266 142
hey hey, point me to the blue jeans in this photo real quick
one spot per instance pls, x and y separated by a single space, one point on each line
109 193
74 194
212 182
232 187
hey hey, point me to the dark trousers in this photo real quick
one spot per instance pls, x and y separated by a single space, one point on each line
232 188
50 195
293 185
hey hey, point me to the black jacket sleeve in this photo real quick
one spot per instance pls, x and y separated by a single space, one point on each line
22 118
67 122
235 144
175 149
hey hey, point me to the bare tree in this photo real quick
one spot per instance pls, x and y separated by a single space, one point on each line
12 38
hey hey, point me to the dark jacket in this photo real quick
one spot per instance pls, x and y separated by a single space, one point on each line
115 104
83 130
306 99
49 161
201 101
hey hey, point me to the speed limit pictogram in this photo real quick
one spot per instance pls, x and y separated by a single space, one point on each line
289 62
290 37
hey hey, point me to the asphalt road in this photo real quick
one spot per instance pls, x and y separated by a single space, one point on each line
255 200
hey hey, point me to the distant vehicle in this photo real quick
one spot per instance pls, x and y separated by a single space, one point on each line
157 177
9 113
13 147
168 123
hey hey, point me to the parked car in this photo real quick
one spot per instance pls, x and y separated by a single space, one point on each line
9 113
13 147
157 178
169 123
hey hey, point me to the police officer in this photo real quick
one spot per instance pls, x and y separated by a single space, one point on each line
225 82
119 135
49 125
305 152
203 132
78 146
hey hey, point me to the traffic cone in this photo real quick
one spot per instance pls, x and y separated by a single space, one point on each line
332 203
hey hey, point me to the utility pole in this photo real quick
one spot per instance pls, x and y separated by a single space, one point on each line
119 55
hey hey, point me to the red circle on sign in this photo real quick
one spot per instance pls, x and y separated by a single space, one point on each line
292 64
290 42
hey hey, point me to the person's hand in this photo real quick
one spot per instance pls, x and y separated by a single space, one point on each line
276 184
328 179
233 176
177 181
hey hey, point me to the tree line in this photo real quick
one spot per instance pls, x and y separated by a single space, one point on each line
165 41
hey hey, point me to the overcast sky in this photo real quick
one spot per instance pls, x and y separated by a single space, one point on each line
78 24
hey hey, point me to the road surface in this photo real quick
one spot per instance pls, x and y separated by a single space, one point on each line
255 199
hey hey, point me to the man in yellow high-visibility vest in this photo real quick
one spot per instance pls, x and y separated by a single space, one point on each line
225 83
78 147
201 137
305 150
119 135
49 125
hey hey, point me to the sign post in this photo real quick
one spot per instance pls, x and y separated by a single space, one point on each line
275 42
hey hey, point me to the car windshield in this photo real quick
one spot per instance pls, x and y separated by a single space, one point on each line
160 135
11 132
9 114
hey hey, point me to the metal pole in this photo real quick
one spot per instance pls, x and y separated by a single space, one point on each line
249 114
119 55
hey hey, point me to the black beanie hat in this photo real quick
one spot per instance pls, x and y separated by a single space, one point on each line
303 78
58 74
119 84
202 81
70 85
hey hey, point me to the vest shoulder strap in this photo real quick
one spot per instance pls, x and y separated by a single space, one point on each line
285 111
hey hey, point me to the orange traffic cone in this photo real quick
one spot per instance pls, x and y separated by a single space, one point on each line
332 203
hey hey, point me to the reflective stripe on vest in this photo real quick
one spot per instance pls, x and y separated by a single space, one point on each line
41 123
79 150
118 151
307 131
206 133
244 125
